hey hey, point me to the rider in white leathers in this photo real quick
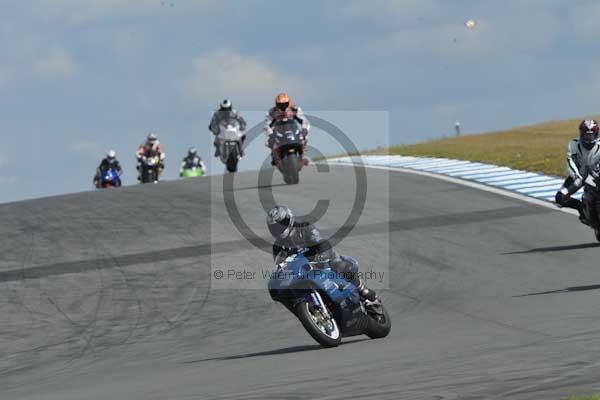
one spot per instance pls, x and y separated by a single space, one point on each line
583 154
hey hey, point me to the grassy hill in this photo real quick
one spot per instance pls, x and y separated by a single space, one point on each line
536 148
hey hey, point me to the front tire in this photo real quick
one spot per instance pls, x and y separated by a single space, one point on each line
291 169
325 332
379 324
232 161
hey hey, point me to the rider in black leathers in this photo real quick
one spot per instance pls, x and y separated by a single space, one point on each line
108 162
291 237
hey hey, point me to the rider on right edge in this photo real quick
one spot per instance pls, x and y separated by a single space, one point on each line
581 155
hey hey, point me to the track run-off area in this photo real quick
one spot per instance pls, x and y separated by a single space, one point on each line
111 295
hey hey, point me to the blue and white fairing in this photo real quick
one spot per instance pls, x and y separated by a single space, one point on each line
111 177
295 277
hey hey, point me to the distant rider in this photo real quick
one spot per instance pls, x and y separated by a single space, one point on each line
224 112
582 154
107 163
291 237
151 143
285 109
192 160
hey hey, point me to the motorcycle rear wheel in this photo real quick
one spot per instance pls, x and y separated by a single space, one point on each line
379 324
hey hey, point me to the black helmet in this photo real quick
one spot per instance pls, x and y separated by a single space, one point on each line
280 221
588 133
192 152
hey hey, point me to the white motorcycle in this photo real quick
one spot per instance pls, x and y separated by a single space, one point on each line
230 143
151 162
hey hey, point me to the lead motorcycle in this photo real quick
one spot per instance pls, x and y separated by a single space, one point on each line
230 143
288 149
150 167
328 306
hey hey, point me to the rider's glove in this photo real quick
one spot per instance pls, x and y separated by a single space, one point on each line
562 196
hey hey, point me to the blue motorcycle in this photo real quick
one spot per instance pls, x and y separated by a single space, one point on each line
289 150
109 179
328 306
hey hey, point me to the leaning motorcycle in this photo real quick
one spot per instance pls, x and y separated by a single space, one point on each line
328 306
288 149
230 143
109 179
590 203
150 167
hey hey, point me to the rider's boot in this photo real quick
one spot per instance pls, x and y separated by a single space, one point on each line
366 293
217 152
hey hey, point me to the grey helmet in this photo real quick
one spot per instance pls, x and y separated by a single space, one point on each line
226 105
151 139
280 221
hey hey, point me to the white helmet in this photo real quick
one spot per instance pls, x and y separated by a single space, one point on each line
226 104
111 156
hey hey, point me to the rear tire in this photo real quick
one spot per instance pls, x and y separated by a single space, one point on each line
379 325
597 233
291 169
304 315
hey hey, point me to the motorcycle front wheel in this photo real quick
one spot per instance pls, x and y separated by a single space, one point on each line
232 161
291 168
324 330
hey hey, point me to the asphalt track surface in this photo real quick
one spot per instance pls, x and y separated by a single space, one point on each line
108 296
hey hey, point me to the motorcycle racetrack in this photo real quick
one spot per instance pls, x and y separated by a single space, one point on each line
112 295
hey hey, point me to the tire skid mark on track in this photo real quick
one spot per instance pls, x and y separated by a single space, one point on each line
242 244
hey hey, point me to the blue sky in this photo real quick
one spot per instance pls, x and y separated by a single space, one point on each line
78 77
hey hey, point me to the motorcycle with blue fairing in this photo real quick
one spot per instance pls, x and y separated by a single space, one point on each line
109 179
328 306
288 150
